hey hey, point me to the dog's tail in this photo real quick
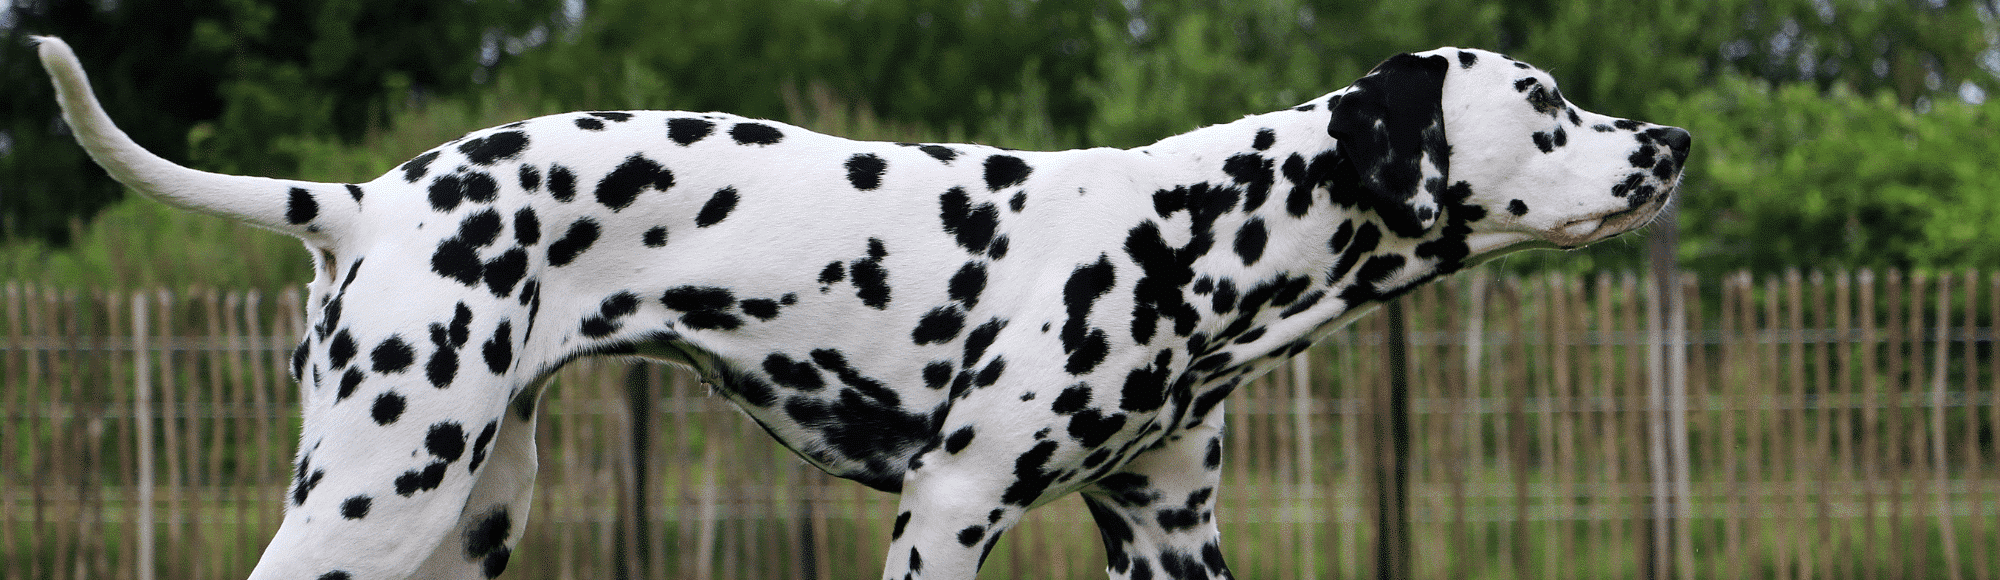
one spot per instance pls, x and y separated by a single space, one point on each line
290 207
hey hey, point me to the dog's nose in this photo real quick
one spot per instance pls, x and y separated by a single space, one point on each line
1676 139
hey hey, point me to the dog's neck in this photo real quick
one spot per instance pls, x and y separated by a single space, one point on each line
1252 256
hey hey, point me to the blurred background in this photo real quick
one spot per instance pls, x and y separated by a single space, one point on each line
1795 378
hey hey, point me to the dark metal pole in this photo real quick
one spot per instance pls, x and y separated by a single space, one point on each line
1392 544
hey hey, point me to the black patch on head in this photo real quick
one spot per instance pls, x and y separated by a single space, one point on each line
655 237
1386 125
1264 139
491 148
755 134
562 183
1004 171
1250 241
717 208
388 407
356 507
686 131
864 171
578 238
623 185
939 152
703 307
446 440
302 207
392 355
415 168
973 226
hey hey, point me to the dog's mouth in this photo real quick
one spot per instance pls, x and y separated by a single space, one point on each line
1592 229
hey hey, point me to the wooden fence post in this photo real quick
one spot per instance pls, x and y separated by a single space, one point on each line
1392 519
142 427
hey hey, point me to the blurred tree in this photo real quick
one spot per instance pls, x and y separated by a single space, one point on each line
224 84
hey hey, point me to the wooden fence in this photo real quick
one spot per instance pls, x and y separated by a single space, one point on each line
1837 426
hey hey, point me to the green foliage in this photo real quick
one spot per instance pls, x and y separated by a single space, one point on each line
1829 133
1792 177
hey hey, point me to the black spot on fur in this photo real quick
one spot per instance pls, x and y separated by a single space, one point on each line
702 307
686 131
392 355
762 308
864 171
939 152
491 148
1264 139
937 374
589 124
413 481
655 237
794 374
527 227
755 134
342 350
958 440
871 280
623 185
354 191
940 325
499 350
968 283
1250 241
1146 387
479 446
717 208
302 207
1255 173
348 382
415 168
578 238
446 440
1517 207
1004 171
973 226
489 534
388 407
971 535
1029 479
356 507
562 183
1086 346
480 228
531 178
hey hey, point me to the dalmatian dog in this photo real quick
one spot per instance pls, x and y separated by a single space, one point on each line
980 330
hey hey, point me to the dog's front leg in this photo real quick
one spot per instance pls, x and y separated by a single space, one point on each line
1157 515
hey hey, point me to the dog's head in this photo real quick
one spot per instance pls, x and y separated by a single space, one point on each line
1473 137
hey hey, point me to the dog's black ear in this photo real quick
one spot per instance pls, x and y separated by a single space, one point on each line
1390 125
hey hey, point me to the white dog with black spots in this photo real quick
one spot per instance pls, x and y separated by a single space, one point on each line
981 330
